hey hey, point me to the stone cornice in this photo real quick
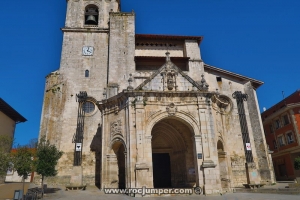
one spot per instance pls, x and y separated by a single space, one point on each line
85 30
121 97
122 13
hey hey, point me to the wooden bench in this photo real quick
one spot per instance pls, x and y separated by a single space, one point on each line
252 186
75 187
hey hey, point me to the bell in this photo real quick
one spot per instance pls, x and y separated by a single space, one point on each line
91 20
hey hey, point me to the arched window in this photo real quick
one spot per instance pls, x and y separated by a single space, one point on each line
220 146
88 107
87 73
91 15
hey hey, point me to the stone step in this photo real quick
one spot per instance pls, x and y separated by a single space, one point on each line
291 191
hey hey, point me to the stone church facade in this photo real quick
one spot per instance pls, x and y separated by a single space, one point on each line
131 110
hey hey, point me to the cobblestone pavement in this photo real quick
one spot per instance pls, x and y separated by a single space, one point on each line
93 193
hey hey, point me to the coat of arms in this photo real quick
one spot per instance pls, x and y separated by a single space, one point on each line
171 109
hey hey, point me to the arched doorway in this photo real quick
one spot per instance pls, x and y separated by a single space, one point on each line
223 166
173 156
119 150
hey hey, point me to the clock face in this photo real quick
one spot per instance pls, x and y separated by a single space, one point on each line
87 51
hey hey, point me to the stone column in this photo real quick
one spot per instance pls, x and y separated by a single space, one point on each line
211 174
144 176
131 142
112 171
198 160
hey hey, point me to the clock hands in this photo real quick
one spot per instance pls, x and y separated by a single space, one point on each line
88 50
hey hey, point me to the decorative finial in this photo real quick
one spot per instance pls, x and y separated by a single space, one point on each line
204 85
130 80
168 56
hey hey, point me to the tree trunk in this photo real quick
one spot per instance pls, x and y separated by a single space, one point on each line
23 187
42 186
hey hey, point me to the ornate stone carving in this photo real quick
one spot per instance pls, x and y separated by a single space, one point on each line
116 128
171 109
203 83
222 104
169 74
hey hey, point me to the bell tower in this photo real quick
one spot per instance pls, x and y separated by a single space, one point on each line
97 56
83 69
90 13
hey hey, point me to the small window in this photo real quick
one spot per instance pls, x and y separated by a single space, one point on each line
290 137
271 128
88 107
91 15
219 79
277 124
281 141
87 73
285 120
274 144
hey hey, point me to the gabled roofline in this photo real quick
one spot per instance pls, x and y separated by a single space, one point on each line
255 83
10 112
169 62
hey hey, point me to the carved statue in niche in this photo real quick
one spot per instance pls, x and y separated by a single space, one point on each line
115 128
169 74
171 80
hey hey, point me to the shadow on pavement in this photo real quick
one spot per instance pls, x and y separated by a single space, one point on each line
51 190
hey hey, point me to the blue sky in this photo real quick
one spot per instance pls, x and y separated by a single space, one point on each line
259 39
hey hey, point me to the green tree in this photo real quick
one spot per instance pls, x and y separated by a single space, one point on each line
23 162
5 156
47 156
32 143
297 163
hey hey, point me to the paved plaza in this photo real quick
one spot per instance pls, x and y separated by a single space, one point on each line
92 192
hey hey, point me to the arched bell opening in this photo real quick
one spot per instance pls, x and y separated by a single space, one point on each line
91 15
173 158
222 158
120 152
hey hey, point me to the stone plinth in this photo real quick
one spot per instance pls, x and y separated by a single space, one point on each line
76 177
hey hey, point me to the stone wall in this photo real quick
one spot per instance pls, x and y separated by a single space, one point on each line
121 49
259 137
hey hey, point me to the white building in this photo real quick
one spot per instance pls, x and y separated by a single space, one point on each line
133 110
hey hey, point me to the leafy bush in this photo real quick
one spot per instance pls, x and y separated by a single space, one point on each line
297 163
